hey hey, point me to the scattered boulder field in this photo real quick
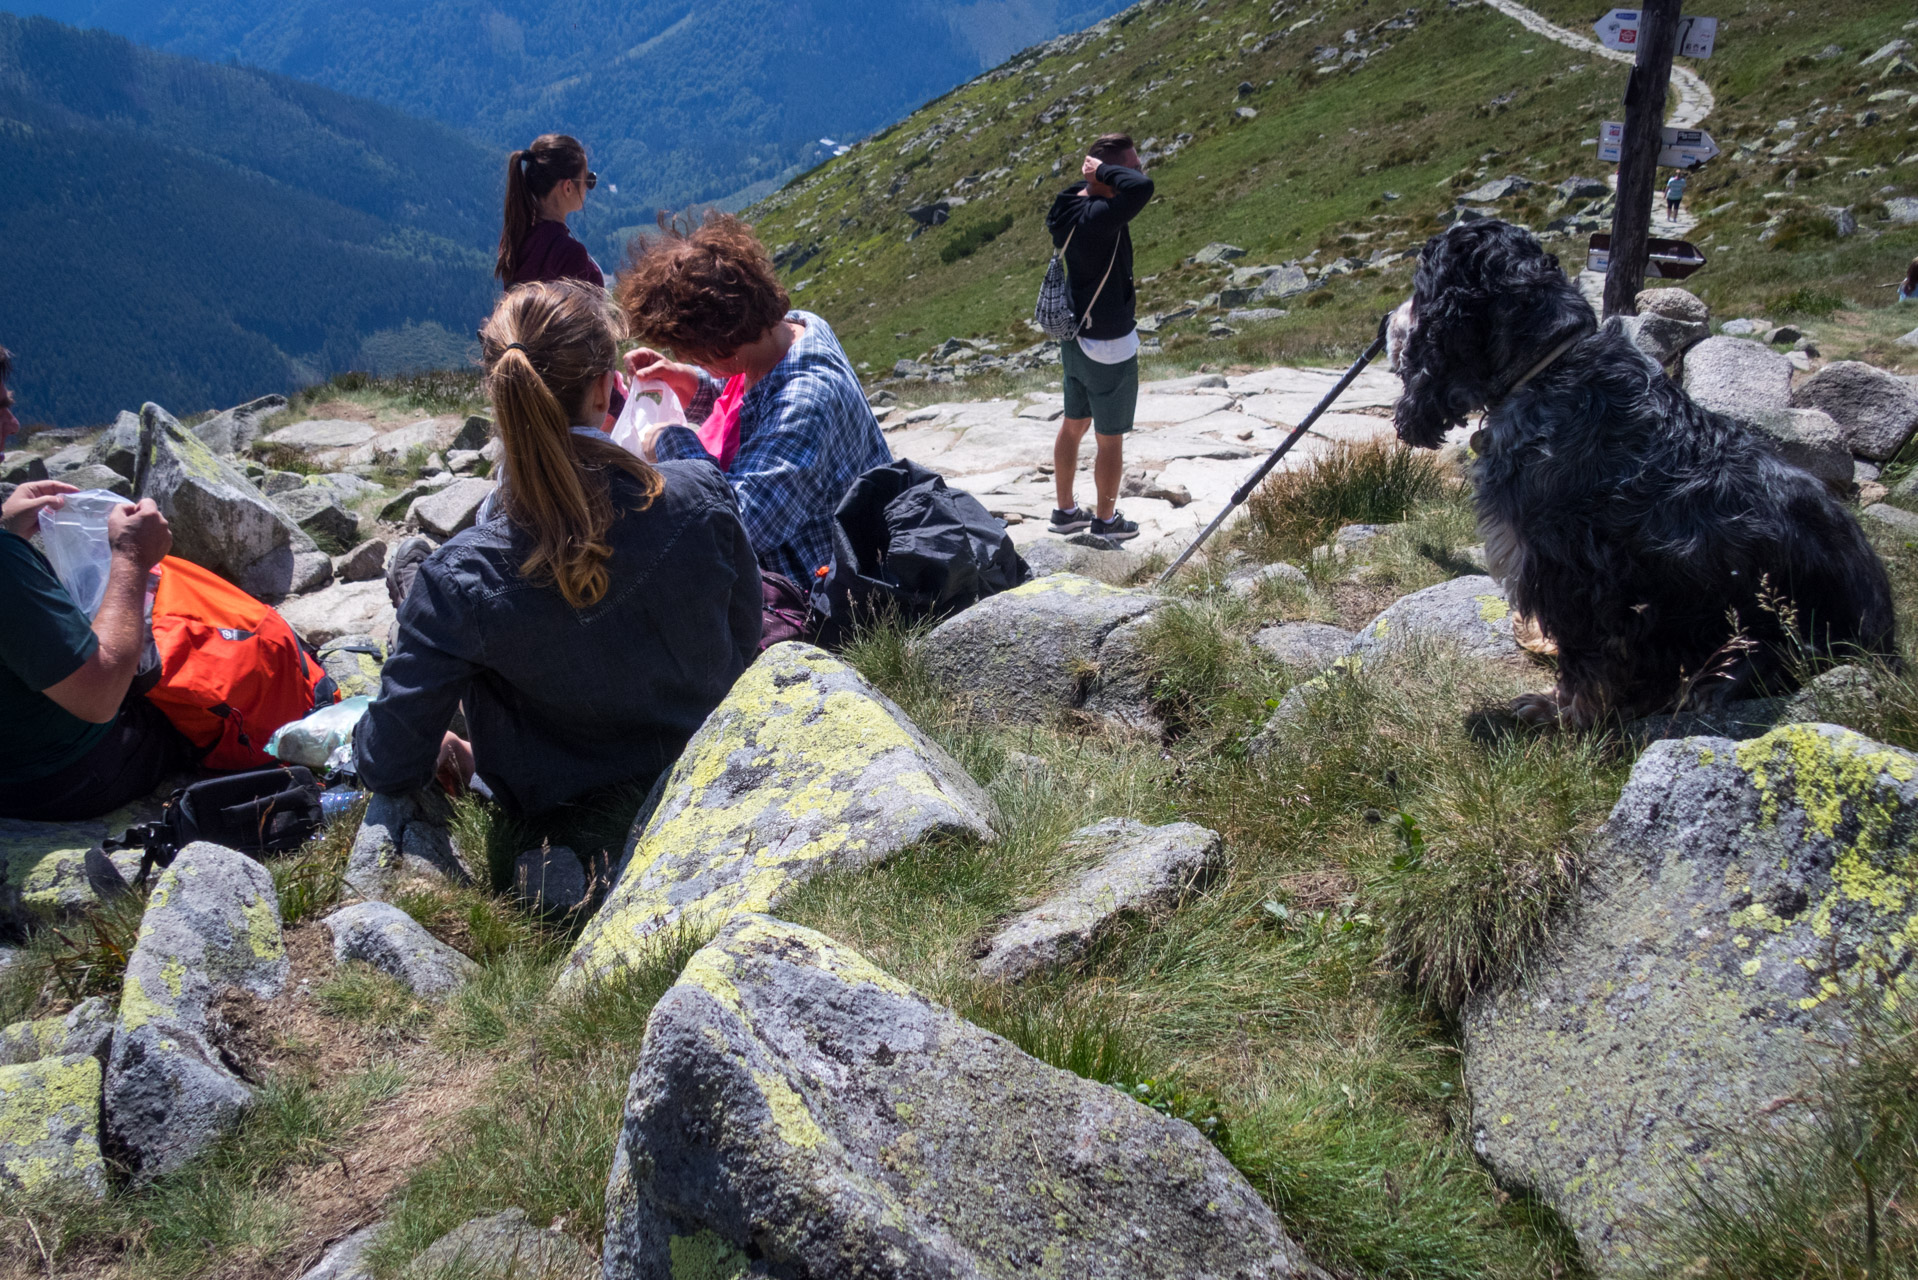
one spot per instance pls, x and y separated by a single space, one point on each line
794 1106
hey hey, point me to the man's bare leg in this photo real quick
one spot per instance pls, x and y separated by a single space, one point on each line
1108 470
1065 460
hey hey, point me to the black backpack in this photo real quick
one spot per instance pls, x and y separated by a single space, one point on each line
263 811
904 541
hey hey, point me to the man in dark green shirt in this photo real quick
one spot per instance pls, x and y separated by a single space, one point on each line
74 744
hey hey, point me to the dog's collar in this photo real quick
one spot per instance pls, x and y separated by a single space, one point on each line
1535 370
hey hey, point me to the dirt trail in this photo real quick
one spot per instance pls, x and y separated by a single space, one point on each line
1693 96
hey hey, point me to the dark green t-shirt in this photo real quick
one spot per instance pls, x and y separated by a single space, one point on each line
44 638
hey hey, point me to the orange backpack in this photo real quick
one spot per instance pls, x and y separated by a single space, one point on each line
231 669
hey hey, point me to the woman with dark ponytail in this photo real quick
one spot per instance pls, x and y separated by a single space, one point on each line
545 183
591 623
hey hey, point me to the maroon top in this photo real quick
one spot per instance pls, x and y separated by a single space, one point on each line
549 252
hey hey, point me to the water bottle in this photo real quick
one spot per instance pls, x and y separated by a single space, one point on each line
336 802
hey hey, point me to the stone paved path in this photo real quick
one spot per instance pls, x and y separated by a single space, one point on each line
1206 433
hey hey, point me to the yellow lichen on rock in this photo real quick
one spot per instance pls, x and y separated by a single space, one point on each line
49 1124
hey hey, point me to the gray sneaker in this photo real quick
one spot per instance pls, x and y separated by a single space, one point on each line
1118 529
405 566
1071 521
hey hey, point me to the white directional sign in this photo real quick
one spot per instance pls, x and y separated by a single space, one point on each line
1619 30
1678 148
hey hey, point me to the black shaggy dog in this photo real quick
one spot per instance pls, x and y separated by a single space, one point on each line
1667 550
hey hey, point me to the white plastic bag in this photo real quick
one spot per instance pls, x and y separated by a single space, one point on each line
643 411
315 740
75 537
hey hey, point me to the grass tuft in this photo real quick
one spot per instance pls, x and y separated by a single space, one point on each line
1370 483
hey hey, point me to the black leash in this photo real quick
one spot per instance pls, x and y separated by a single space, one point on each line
1272 459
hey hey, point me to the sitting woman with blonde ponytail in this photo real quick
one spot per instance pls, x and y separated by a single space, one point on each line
593 620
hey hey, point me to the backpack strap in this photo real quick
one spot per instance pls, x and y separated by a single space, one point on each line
1102 281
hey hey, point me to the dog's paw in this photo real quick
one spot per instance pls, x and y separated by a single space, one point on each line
1539 710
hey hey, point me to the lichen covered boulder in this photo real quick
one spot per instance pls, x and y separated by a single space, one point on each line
794 1100
45 865
1137 870
219 520
86 1028
804 767
402 836
504 1247
1742 893
1028 654
1470 613
50 1126
212 925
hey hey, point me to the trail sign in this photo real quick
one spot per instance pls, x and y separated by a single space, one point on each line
1670 259
1677 148
1619 30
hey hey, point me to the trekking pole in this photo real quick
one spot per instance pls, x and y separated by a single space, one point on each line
1272 459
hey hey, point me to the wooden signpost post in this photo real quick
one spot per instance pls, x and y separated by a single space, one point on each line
1656 39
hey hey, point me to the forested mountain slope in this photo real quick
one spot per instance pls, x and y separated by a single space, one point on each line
679 100
198 234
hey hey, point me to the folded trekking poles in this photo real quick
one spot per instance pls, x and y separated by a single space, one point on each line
1272 459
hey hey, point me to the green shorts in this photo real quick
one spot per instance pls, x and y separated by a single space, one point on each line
1106 393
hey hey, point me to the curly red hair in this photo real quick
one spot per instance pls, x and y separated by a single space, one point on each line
703 293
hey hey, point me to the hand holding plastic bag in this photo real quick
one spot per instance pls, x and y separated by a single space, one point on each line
640 421
75 537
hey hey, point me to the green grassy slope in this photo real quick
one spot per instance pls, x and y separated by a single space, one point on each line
1310 171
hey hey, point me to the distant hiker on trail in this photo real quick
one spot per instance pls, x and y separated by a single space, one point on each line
1908 291
1102 364
790 428
79 740
545 183
592 624
1674 194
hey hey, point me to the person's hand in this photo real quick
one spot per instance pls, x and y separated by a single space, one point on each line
139 533
21 515
1090 168
455 770
649 441
644 362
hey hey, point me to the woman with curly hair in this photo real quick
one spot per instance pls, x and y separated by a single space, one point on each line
594 620
802 431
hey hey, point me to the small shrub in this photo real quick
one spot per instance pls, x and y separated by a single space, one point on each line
1319 299
973 237
1371 483
1803 229
89 955
284 457
1807 301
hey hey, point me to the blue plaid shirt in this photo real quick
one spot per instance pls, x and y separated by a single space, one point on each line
805 434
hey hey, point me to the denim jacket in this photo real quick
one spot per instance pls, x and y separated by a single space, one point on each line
562 701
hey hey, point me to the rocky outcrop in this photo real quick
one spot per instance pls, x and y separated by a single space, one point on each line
50 1127
317 511
1470 613
1139 871
219 520
212 926
1810 441
1744 380
86 1028
1741 894
322 433
1028 654
794 1100
45 866
235 429
347 1259
385 937
1875 411
450 510
1310 647
804 767
343 609
403 836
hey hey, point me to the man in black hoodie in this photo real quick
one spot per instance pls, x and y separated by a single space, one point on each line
1089 221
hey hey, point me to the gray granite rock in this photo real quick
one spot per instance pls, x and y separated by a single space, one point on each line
1844 696
452 509
50 1127
354 662
118 447
1696 991
382 935
347 1259
234 430
364 563
472 435
794 1100
1245 583
551 879
505 1247
396 445
1310 647
1286 282
402 836
1809 440
275 483
94 475
1674 304
1140 871
219 520
1898 521
1744 380
1470 612
1055 555
805 767
343 609
1029 654
1876 411
86 1028
321 433
212 925
317 510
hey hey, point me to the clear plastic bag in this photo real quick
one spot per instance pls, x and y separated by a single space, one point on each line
643 411
322 739
75 538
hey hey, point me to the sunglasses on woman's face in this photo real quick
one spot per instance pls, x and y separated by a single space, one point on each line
591 179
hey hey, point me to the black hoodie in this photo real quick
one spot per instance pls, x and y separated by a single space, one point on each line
1098 225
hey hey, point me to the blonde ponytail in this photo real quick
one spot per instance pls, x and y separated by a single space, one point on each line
544 347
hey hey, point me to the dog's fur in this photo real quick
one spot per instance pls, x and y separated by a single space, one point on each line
1666 549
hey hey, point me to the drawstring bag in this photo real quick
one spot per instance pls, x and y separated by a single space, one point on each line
1053 312
719 434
